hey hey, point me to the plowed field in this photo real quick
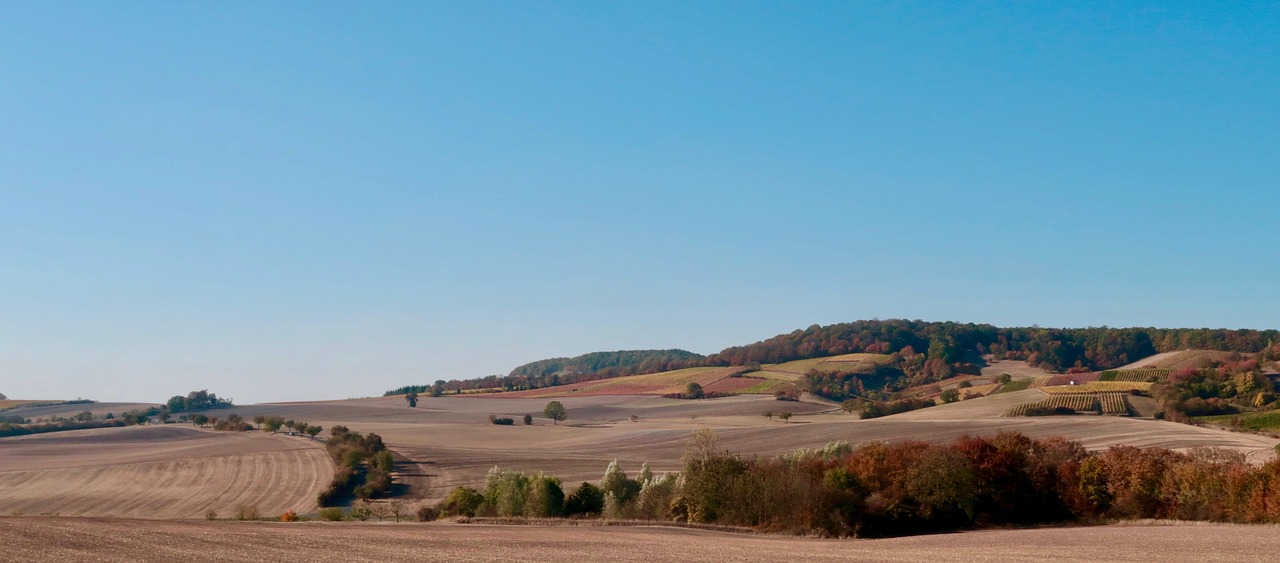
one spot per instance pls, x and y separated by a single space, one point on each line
159 472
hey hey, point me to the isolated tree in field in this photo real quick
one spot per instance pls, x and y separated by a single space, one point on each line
555 411
768 415
412 399
258 420
694 391
786 417
950 396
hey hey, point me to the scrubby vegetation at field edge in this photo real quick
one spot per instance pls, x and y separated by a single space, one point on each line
364 466
882 490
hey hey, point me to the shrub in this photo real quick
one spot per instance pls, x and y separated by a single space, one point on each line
461 501
213 514
289 516
528 420
332 514
247 512
428 513
787 394
587 500
501 421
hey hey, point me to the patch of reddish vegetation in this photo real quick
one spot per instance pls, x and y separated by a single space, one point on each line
732 384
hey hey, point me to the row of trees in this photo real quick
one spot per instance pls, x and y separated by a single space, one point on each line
880 490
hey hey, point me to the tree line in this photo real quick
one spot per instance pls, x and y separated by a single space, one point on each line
1055 349
883 490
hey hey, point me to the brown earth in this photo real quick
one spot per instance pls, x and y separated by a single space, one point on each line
1180 359
159 472
448 441
67 539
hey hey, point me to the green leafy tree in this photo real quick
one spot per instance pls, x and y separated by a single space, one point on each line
587 500
950 396
555 411
411 398
694 391
273 424
786 417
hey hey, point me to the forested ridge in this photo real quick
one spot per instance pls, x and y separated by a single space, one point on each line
1055 349
610 364
927 351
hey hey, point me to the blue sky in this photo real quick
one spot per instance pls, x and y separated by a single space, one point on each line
286 201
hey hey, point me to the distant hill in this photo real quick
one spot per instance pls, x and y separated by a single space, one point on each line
609 364
925 351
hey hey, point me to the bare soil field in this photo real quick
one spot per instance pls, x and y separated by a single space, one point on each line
159 472
1180 359
1018 369
66 410
63 539
448 441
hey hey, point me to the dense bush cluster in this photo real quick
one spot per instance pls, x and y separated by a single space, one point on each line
197 401
881 490
1226 387
364 466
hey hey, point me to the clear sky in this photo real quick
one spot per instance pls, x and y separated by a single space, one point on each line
302 200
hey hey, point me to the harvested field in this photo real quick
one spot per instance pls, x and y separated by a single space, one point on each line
34 411
8 404
449 442
65 539
844 362
1018 369
1180 359
648 384
159 472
